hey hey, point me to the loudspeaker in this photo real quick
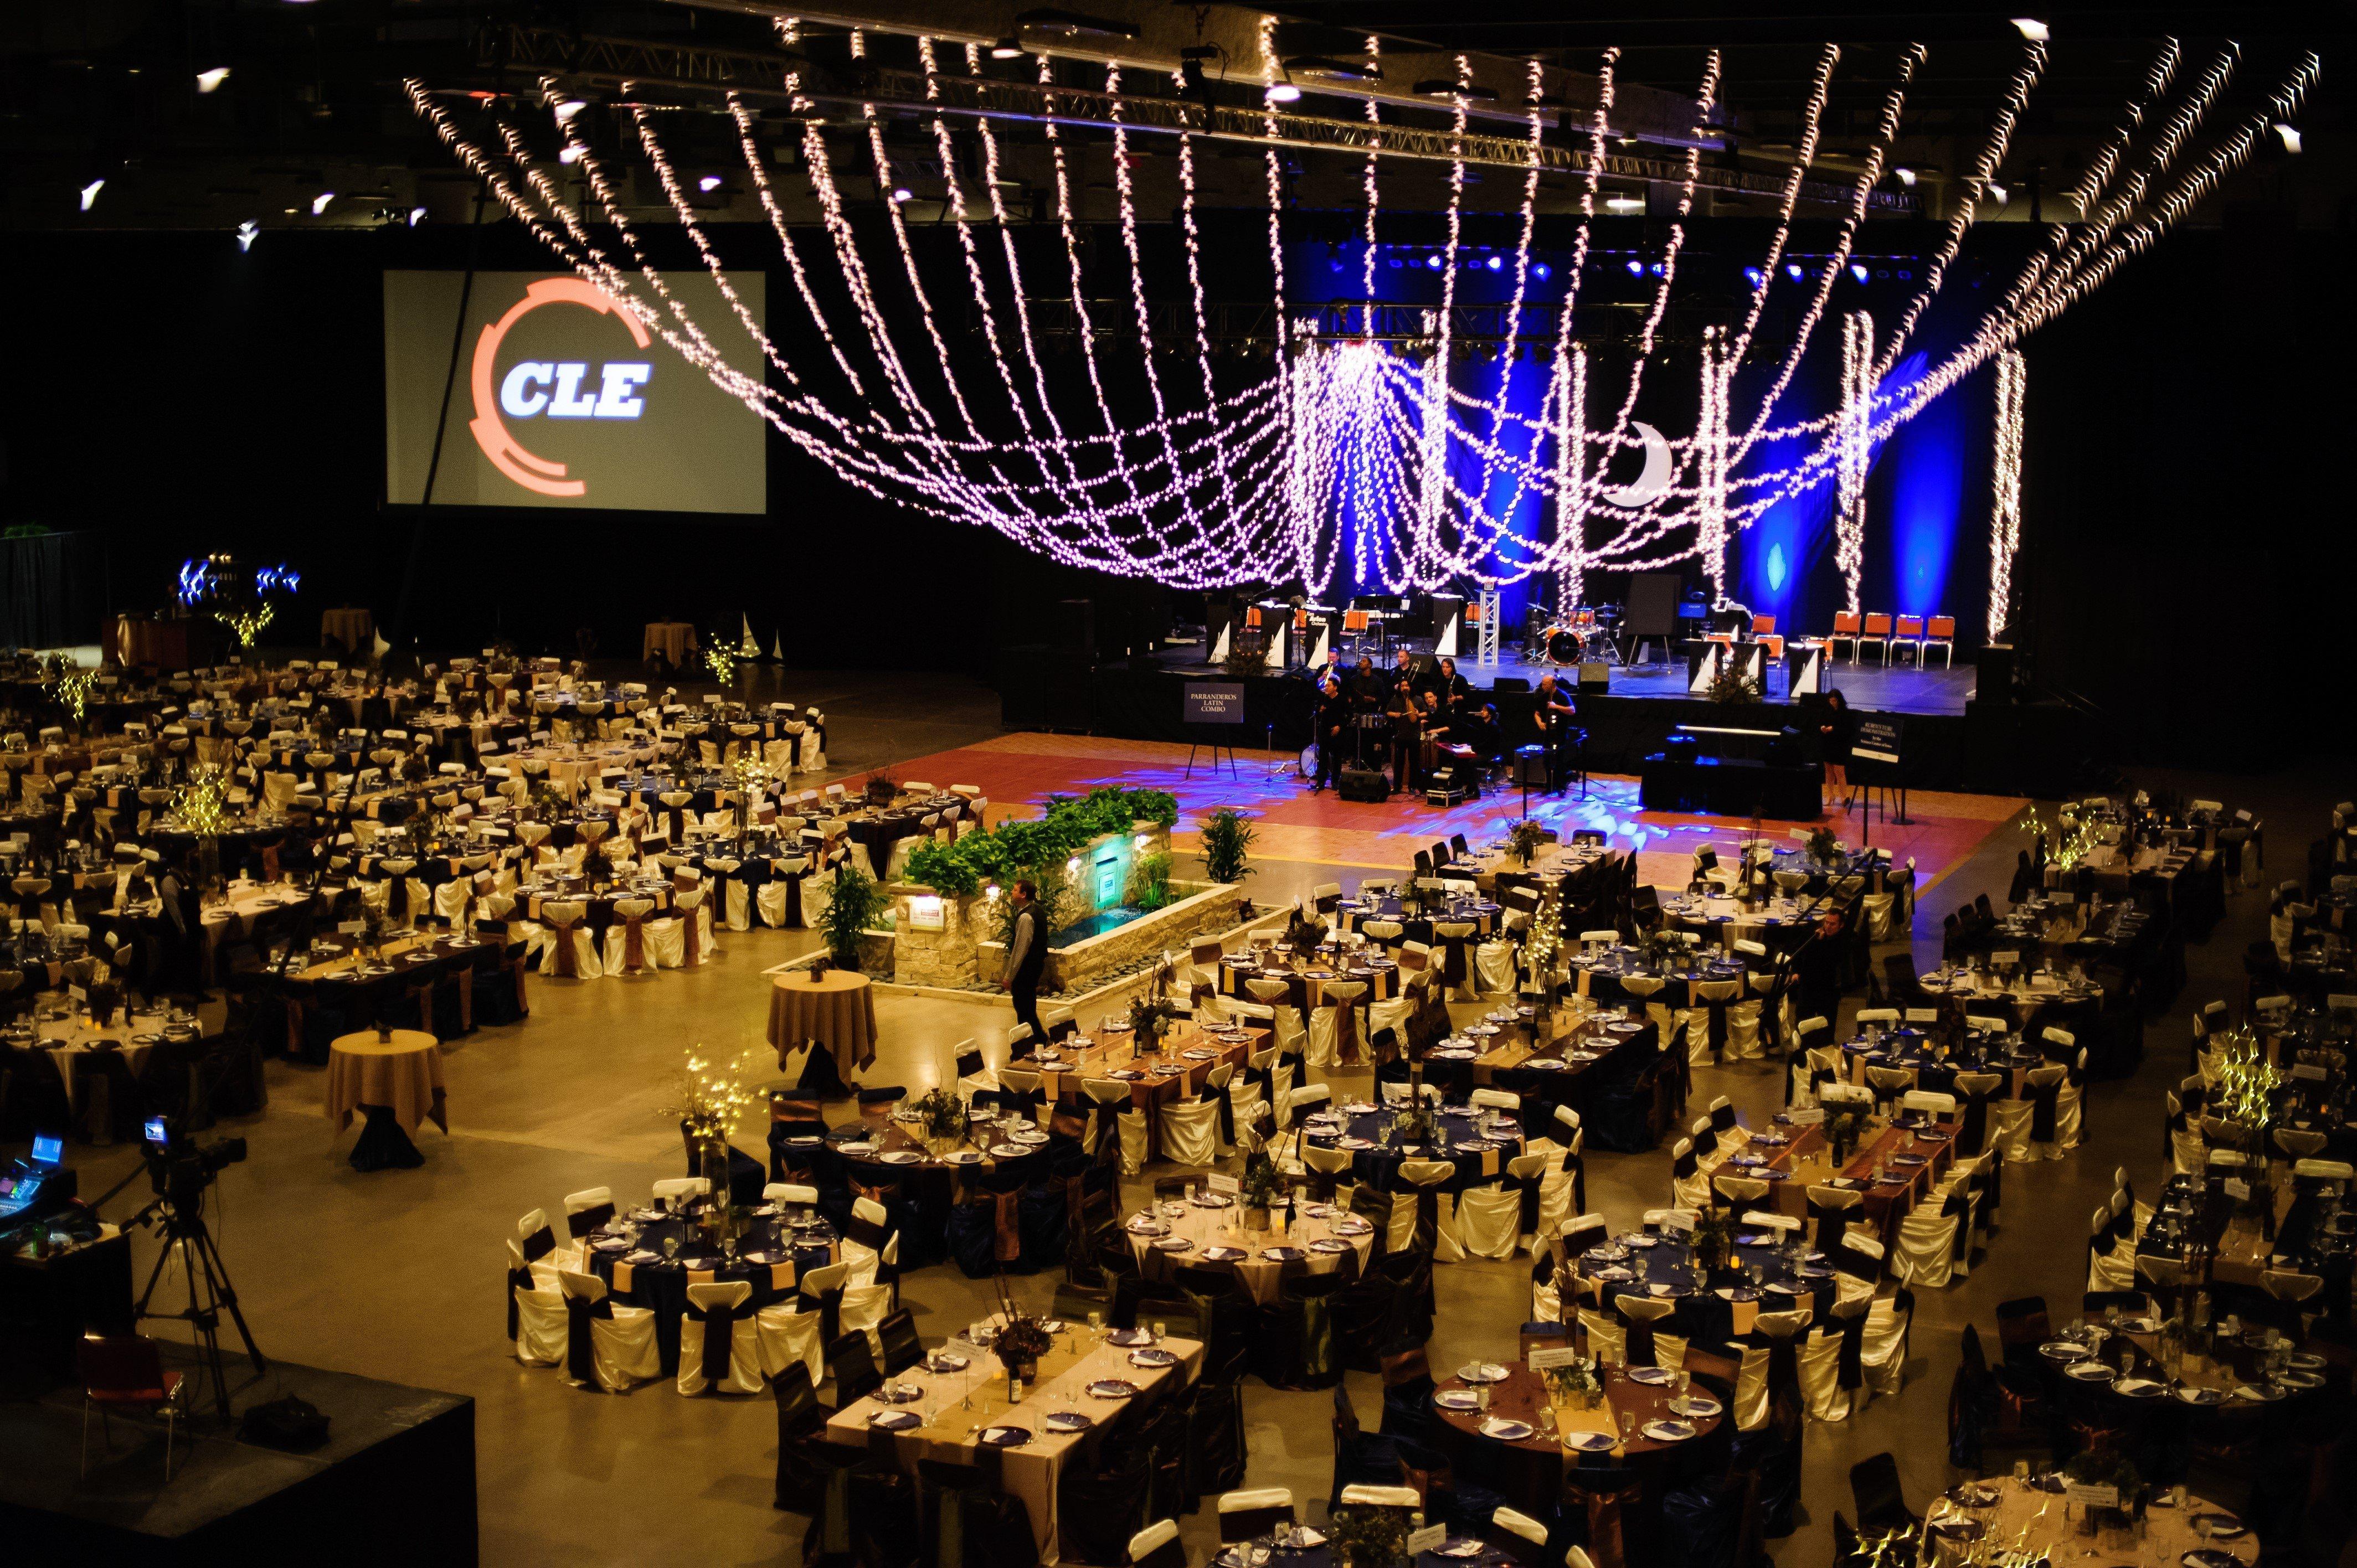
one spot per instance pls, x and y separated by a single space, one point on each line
1368 785
1995 663
1510 683
1595 676
1447 616
1652 609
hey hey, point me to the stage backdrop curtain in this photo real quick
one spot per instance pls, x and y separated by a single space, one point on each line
52 589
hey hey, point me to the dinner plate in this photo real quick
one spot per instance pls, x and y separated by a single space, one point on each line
1008 1151
1151 1358
1652 1375
2201 1396
1212 1200
2257 1394
1147 1227
1127 1337
1544 1064
616 1245
1329 1245
1068 1420
1224 1254
894 1420
2138 1388
964 1157
2088 1371
943 1362
901 1158
1352 1143
1468 1547
900 1393
1611 1274
2064 1350
857 1146
2301 1381
1457 1398
1283 1255
1592 1442
1505 1430
1322 1211
1029 1136
1668 1431
1696 1407
1005 1436
1112 1389
1174 1244
1481 1372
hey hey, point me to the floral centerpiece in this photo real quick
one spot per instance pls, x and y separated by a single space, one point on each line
1843 1130
1258 1189
1151 1017
2103 1466
1415 1122
708 1098
1021 1340
1825 849
1305 934
1525 839
1369 1537
1574 1384
941 1113
1713 1240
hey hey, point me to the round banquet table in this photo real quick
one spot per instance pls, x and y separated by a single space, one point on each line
2025 1516
627 1254
1530 1472
1476 1159
837 1009
354 629
676 638
395 1083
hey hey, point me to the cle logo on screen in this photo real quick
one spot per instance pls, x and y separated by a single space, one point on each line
558 389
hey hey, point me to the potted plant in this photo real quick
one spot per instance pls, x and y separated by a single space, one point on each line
1576 1385
1150 882
1259 1189
858 903
1226 838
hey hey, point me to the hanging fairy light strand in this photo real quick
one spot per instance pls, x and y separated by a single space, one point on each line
2004 509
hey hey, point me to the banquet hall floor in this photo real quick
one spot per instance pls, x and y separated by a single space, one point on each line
397 1275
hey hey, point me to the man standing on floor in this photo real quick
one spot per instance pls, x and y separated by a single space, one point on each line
1026 957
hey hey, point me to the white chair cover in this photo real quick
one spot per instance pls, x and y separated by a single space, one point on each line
622 1347
744 1374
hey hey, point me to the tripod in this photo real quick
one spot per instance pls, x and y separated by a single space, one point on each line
182 1229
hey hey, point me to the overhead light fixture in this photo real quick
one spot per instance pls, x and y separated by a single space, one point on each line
1905 177
1073 24
1495 262
568 107
320 202
1336 70
417 216
1636 268
902 193
90 193
1542 269
246 233
1999 191
2288 135
1282 92
1792 271
1434 262
1008 48
2033 29
570 152
207 81
708 183
1624 205
1858 270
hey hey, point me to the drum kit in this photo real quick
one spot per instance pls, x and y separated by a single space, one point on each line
1585 635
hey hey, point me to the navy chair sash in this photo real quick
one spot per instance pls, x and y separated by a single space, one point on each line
580 1345
719 1334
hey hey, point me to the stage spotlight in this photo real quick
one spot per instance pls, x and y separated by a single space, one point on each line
1792 271
417 216
1282 92
1905 177
1542 269
902 193
2000 193
1623 205
1753 276
90 193
1857 271
711 182
320 202
569 154
2288 136
1495 262
1636 268
2033 29
210 80
568 107
247 232
1435 262
1008 47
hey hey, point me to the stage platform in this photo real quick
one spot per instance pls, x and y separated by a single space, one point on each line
1951 740
394 1484
1018 772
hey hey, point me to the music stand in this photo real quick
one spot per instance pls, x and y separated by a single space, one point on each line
1526 760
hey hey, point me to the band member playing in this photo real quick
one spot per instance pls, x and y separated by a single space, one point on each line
1331 722
1406 714
1456 690
1554 717
1367 686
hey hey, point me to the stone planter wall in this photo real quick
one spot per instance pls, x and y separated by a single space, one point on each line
964 954
1208 906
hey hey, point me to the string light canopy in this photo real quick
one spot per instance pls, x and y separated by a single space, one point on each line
1343 449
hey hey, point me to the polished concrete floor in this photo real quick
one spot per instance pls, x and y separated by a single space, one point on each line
397 1275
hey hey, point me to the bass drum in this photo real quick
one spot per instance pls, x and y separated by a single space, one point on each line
1562 643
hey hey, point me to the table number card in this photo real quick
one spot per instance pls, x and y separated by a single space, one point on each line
1555 1356
1428 1538
2238 1189
1677 1223
1227 1186
2094 1497
1813 1117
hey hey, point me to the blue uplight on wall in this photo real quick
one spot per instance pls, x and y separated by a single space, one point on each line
1776 569
1925 462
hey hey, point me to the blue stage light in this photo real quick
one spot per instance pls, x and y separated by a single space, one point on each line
1857 271
1434 262
1636 267
1792 271
1753 276
1542 269
1496 261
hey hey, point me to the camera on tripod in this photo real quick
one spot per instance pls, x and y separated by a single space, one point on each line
180 1168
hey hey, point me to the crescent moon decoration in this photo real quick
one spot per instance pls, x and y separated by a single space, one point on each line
1323 451
1654 482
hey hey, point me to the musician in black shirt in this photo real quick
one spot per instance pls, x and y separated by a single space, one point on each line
1332 720
1555 717
1456 690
